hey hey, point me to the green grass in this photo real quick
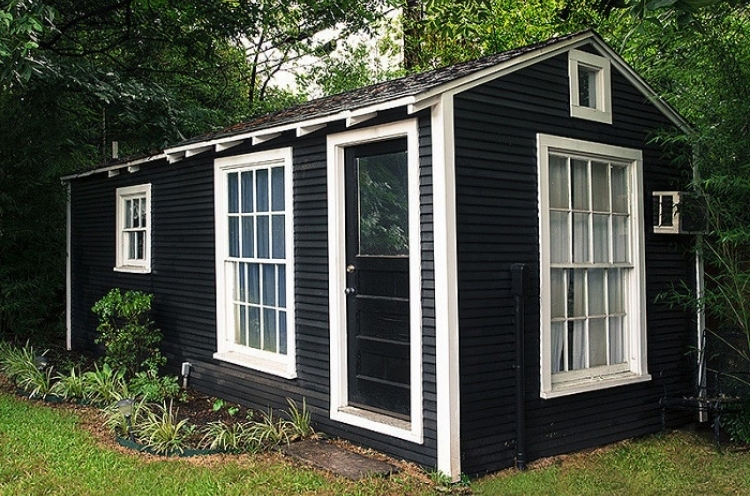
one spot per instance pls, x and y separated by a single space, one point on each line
44 451
676 463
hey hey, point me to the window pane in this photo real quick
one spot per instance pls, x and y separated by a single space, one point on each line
241 329
558 346
601 238
558 240
576 345
282 333
135 213
600 187
253 318
233 193
616 341
248 237
282 286
576 293
597 342
269 284
140 243
261 189
277 189
383 204
253 281
131 242
580 184
580 237
128 216
269 329
240 286
263 236
558 182
277 237
247 191
234 236
558 293
587 87
615 292
621 241
619 190
596 292
143 212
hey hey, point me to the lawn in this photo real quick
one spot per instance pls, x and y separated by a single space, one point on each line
46 450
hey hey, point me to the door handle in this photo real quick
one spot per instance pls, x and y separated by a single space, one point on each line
350 268
350 291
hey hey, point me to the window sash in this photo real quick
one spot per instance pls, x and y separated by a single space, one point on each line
133 228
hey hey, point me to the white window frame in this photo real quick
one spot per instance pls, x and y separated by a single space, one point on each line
634 280
603 110
122 262
340 410
228 351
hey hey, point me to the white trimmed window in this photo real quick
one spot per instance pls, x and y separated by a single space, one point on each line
593 320
133 211
254 257
590 86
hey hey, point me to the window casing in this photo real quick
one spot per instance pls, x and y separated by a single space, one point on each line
592 266
255 294
133 225
590 86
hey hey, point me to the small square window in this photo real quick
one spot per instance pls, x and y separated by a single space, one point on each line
590 87
133 245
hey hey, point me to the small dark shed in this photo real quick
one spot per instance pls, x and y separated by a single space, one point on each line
459 268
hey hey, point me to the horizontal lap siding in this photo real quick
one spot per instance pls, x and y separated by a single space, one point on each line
496 181
183 280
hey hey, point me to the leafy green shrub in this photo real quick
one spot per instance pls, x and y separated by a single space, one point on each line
116 422
299 423
162 432
127 333
737 423
17 363
70 386
152 387
235 437
37 382
105 385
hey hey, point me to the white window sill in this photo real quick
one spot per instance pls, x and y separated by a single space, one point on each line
591 114
132 269
377 422
279 368
594 384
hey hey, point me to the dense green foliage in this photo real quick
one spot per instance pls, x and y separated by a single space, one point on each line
131 342
75 76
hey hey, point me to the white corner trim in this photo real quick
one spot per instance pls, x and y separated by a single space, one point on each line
339 408
68 272
446 290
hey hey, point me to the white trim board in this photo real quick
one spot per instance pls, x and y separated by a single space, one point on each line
339 409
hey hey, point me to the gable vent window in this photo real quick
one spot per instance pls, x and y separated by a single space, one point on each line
590 87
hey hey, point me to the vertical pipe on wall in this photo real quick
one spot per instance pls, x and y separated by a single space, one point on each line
517 271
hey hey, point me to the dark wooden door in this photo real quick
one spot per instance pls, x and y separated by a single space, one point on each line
377 276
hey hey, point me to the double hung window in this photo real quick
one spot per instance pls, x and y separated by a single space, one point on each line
593 325
133 246
254 271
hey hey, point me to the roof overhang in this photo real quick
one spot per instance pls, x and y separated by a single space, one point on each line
413 104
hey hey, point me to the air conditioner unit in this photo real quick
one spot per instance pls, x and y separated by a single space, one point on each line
676 212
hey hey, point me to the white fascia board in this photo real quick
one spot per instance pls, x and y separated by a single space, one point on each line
122 165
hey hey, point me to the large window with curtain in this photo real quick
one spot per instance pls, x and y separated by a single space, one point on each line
593 326
254 256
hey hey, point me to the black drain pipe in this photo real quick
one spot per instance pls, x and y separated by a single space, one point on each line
517 272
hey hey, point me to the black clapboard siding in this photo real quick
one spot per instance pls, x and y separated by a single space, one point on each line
183 279
497 202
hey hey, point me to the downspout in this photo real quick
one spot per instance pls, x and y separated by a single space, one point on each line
517 272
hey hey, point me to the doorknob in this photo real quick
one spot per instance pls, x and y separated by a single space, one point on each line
350 268
350 291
